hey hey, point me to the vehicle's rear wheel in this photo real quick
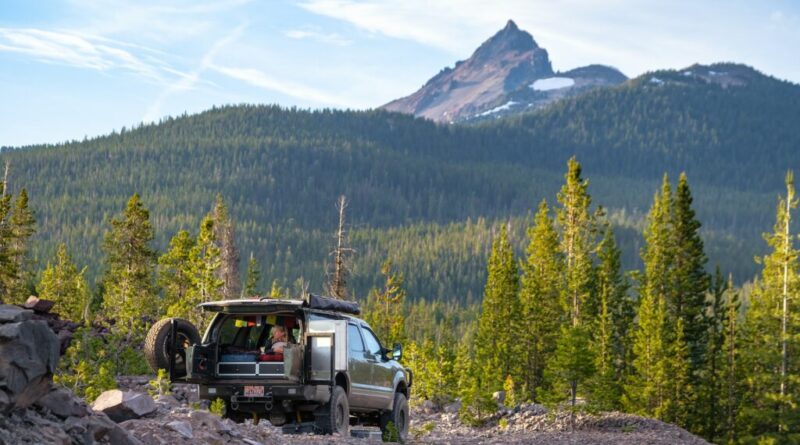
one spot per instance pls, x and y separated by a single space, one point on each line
394 423
156 344
334 416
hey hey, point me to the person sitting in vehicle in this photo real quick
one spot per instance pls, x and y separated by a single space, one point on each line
277 341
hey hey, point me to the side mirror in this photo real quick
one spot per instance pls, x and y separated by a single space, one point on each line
397 352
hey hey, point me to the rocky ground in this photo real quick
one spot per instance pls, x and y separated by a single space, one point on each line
34 411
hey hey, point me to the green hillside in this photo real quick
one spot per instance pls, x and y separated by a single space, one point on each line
417 190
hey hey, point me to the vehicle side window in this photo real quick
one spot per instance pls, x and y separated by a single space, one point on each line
373 345
354 339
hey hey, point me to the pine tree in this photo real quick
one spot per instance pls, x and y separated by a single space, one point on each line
712 386
253 277
730 396
680 399
496 345
577 239
8 271
614 321
687 300
646 388
130 295
770 337
22 225
572 361
385 308
540 290
175 273
205 261
225 240
66 286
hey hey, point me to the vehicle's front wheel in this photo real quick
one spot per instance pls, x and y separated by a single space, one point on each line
394 423
334 416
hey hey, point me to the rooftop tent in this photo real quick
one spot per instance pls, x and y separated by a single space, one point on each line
332 304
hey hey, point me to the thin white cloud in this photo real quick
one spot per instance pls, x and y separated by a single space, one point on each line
262 80
189 81
316 35
80 51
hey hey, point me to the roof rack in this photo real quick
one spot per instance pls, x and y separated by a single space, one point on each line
332 304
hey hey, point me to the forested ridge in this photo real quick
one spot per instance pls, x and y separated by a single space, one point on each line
410 180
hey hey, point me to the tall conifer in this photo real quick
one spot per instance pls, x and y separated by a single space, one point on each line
65 285
497 347
539 294
646 389
130 293
770 337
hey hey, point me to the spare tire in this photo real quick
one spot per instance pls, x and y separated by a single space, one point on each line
157 345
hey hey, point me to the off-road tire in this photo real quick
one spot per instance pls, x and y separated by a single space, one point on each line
398 416
155 345
334 416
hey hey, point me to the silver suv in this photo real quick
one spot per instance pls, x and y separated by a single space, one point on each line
328 371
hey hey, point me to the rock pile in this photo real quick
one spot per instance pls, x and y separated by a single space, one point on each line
534 423
32 410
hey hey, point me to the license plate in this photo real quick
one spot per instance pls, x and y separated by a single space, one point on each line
254 391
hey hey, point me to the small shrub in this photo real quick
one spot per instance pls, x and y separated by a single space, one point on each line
391 434
217 407
160 386
503 423
422 431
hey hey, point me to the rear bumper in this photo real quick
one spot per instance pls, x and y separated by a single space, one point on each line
273 391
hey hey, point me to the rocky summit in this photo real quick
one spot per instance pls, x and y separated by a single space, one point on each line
509 73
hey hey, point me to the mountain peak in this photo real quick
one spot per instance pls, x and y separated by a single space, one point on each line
508 39
498 76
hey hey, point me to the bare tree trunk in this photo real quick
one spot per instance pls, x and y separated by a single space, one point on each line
337 286
787 244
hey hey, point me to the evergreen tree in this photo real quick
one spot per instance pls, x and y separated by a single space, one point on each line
21 227
205 261
680 399
646 389
730 396
770 338
572 361
253 277
713 383
577 239
175 273
225 240
540 300
384 309
614 321
496 345
687 299
8 270
130 293
66 286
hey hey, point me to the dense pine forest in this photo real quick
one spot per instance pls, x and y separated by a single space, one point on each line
415 185
561 323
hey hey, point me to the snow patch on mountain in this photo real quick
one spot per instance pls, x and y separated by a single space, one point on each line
505 106
552 83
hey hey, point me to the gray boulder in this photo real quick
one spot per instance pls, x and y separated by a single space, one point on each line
124 405
181 427
13 314
28 358
62 403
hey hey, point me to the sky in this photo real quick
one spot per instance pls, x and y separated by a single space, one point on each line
81 68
